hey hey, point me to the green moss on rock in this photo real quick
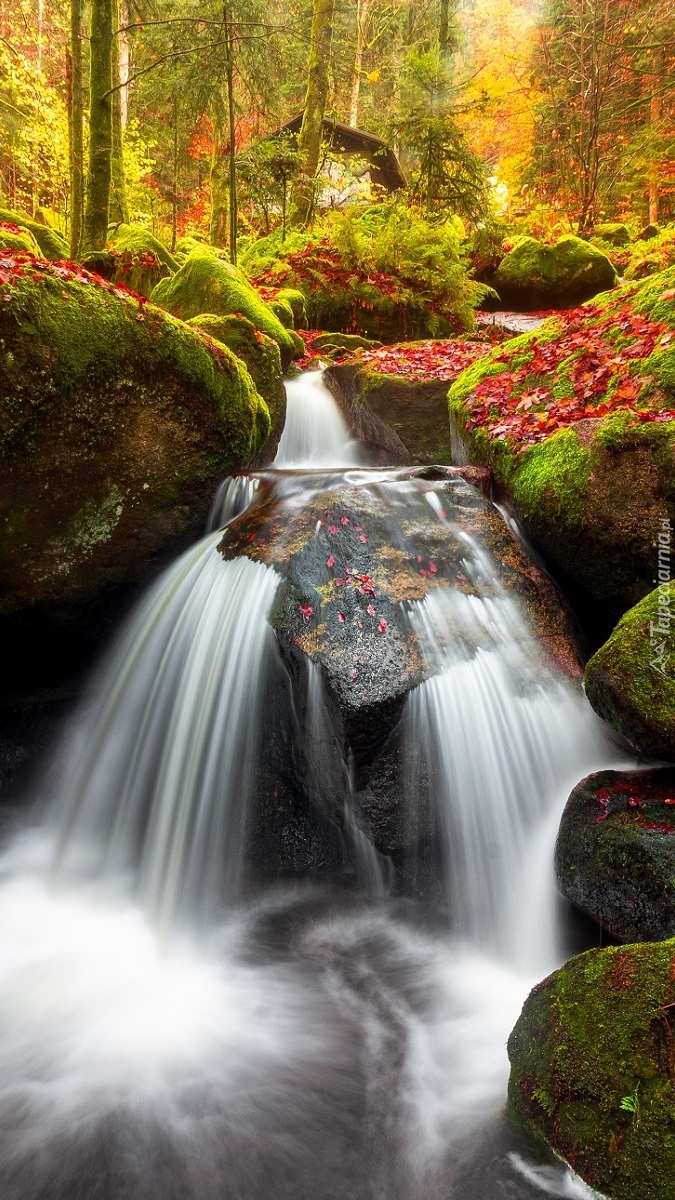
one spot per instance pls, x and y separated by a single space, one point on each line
52 245
135 240
593 1064
630 680
12 237
534 275
207 284
117 423
259 353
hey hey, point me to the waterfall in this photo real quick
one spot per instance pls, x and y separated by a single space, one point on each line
315 435
155 774
167 1030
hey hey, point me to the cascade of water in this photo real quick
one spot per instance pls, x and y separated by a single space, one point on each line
315 434
156 772
232 499
503 739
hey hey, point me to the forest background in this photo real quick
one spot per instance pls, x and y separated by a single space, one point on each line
540 118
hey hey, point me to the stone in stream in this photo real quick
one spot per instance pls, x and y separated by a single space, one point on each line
615 854
629 680
353 557
593 1064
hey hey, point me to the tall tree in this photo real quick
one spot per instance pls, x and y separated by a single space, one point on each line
309 139
75 127
99 174
119 207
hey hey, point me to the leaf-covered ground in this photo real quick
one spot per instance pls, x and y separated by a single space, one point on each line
615 353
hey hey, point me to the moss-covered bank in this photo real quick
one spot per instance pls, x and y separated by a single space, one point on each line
52 245
630 681
593 1068
260 354
536 276
117 423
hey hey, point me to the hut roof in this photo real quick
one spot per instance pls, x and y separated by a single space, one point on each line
385 167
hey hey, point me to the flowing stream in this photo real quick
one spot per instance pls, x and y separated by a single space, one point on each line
169 1028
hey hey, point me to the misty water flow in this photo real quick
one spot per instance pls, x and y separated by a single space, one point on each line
168 1028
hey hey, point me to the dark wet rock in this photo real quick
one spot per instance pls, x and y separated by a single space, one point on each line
592 1066
615 854
630 682
351 566
400 420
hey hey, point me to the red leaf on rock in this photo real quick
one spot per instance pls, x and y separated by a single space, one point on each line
382 627
363 538
307 611
330 561
371 611
341 618
333 529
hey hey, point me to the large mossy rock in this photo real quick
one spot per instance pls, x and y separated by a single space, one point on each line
593 1068
117 423
536 276
261 355
630 681
347 567
140 260
52 244
576 421
134 239
13 237
615 854
208 284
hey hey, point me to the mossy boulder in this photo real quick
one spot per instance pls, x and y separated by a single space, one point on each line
207 284
593 1068
282 309
615 853
141 260
339 345
536 276
576 421
295 299
260 354
52 244
651 255
630 681
615 233
13 237
117 423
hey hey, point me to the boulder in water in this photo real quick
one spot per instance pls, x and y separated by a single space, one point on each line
629 681
615 854
536 276
118 421
592 1066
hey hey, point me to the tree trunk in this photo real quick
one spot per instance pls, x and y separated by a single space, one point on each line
444 32
309 139
75 127
97 202
119 207
232 149
361 18
654 182
219 174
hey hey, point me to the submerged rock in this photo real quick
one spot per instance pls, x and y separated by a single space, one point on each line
615 854
117 421
208 284
536 276
630 680
592 1068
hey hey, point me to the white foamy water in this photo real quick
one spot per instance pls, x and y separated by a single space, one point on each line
232 499
154 776
315 434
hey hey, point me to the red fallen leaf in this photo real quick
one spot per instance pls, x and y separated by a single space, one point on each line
603 817
360 624
382 627
433 568
359 528
634 801
419 558
344 520
423 571
363 538
341 618
441 514
371 611
333 529
307 611
602 794
353 673
669 799
330 561
339 582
